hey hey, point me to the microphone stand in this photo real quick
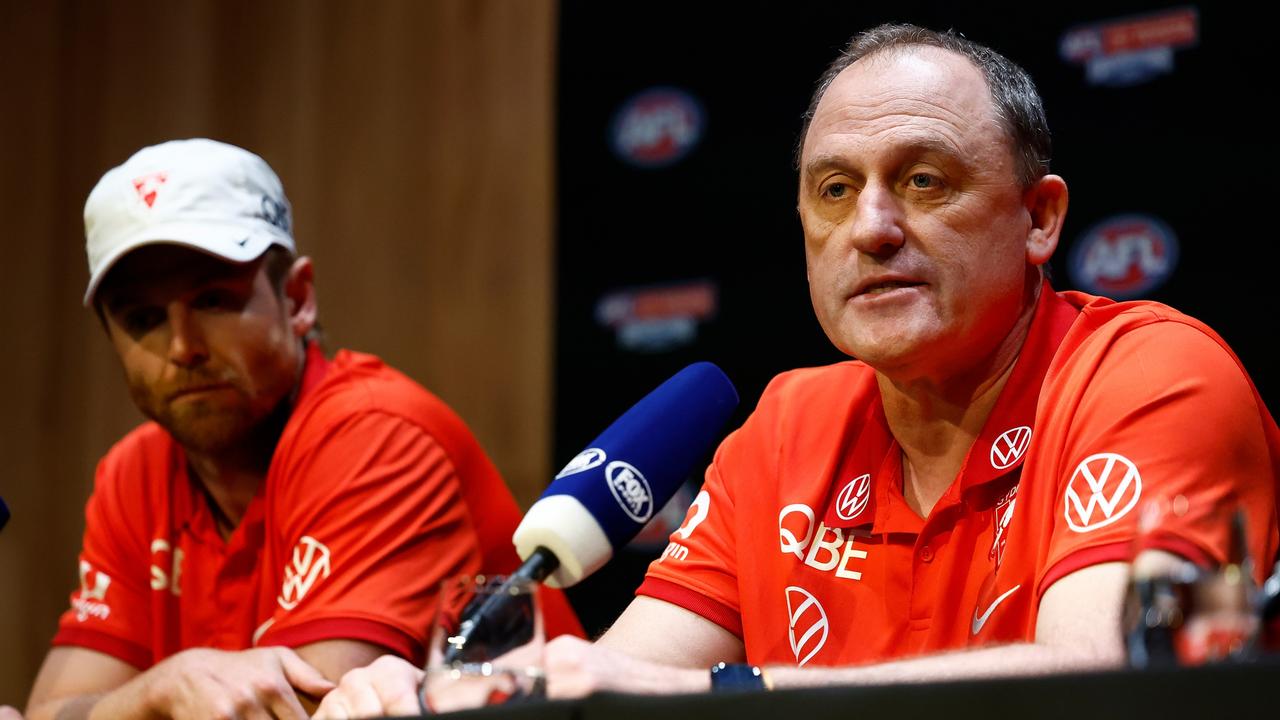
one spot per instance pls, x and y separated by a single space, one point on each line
482 622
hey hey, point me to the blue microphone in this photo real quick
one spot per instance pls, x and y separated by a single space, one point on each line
4 514
603 498
608 492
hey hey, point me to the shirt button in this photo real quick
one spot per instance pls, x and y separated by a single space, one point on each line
926 553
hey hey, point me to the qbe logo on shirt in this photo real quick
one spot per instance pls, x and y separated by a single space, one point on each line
1102 490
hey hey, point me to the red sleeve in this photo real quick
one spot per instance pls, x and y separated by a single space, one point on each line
110 610
370 520
699 569
1168 440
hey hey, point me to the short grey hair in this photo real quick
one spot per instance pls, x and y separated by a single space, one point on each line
1013 94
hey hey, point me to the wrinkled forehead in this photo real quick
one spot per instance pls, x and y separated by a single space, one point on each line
167 267
906 86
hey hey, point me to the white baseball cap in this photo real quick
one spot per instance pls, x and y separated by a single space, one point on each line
202 194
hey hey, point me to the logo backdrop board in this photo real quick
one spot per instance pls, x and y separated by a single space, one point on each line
676 127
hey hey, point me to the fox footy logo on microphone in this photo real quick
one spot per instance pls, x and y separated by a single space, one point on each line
630 489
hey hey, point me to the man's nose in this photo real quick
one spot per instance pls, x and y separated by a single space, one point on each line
186 337
877 224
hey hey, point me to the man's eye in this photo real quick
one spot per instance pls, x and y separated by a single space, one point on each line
837 190
212 300
140 320
923 181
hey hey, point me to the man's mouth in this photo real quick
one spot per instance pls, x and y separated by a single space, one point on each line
196 389
885 286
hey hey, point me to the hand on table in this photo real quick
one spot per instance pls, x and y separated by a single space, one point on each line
387 686
258 683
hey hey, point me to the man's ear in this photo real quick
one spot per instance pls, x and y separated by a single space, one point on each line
1046 201
300 296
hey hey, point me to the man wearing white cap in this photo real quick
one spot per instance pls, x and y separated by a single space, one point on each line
283 517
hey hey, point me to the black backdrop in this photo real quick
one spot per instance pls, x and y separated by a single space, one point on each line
1194 148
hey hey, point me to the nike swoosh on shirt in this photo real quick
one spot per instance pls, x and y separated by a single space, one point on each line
980 620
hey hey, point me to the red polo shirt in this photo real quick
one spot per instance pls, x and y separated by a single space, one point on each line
376 493
802 544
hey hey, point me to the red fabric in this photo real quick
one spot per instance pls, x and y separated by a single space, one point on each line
376 492
821 571
300 634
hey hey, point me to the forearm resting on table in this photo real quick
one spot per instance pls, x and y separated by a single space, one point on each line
81 683
1025 659
1077 628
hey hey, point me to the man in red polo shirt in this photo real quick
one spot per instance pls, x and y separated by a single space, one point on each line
283 517
964 499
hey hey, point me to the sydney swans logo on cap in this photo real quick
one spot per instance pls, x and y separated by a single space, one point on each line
583 461
630 489
148 186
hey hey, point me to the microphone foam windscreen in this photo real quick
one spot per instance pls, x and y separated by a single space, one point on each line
609 491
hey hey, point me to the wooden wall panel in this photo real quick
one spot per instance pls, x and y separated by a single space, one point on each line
414 140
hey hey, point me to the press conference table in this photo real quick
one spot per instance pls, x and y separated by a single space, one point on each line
1245 690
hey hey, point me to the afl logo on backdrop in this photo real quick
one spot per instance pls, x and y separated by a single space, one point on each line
1124 257
656 127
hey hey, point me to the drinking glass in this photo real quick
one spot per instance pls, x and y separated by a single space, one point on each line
486 644
1179 614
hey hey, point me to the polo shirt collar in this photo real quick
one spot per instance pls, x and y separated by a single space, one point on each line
872 469
190 505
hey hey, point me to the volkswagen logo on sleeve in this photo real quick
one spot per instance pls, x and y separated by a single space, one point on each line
310 564
1102 490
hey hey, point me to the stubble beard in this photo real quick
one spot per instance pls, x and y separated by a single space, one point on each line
207 428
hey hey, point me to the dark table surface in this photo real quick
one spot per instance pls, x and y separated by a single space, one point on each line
1218 691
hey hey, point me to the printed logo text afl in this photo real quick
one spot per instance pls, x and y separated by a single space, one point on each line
630 489
583 461
1124 257
657 127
